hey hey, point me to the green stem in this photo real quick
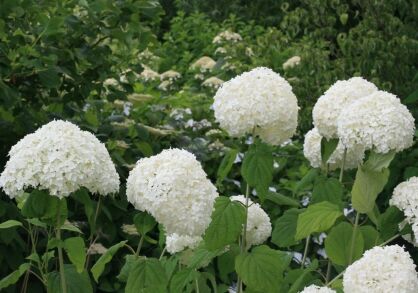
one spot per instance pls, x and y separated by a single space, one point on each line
243 243
390 240
162 253
60 255
353 239
343 166
141 241
328 271
305 252
197 286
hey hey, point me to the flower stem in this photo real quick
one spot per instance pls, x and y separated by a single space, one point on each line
343 166
60 255
353 239
243 242
305 252
141 241
197 286
328 271
162 253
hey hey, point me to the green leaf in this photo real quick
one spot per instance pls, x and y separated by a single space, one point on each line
182 279
130 262
50 78
327 148
257 167
388 222
338 244
285 228
99 266
37 222
367 186
201 256
282 200
226 165
40 204
83 197
303 277
327 189
10 224
370 236
318 217
226 225
306 180
262 268
76 252
377 162
70 227
144 223
13 277
147 275
76 283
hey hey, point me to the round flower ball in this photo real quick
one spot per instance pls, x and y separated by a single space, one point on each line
378 121
176 243
312 151
173 187
259 100
317 289
382 270
258 222
59 158
341 94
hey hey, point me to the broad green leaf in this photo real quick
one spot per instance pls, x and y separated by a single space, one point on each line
99 266
226 165
130 261
327 189
13 277
83 197
282 200
388 222
367 186
37 222
257 167
147 275
40 204
144 222
225 262
226 225
285 228
76 283
76 252
377 162
201 256
182 279
10 224
370 236
301 277
318 217
70 227
50 78
327 148
307 180
262 268
338 244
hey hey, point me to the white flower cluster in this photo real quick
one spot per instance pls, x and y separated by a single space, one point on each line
176 243
204 64
148 74
213 82
227 36
173 187
317 289
405 198
261 100
341 94
291 62
378 121
312 151
258 222
386 269
60 158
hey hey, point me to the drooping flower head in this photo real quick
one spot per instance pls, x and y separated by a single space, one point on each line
341 94
203 64
405 198
382 270
259 100
317 289
258 222
60 158
173 187
378 121
312 151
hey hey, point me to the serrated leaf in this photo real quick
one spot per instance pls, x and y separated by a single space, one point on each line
10 224
370 236
338 244
182 279
99 266
226 225
284 231
226 165
70 227
318 217
147 276
144 223
262 268
76 252
378 162
76 283
13 277
327 189
367 186
306 180
388 222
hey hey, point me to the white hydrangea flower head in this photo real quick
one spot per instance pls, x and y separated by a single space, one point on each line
291 62
170 75
405 198
259 99
385 269
60 158
317 289
258 222
378 121
312 151
213 82
227 36
204 64
341 94
176 243
173 187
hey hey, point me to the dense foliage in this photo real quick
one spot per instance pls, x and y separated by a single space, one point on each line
85 61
